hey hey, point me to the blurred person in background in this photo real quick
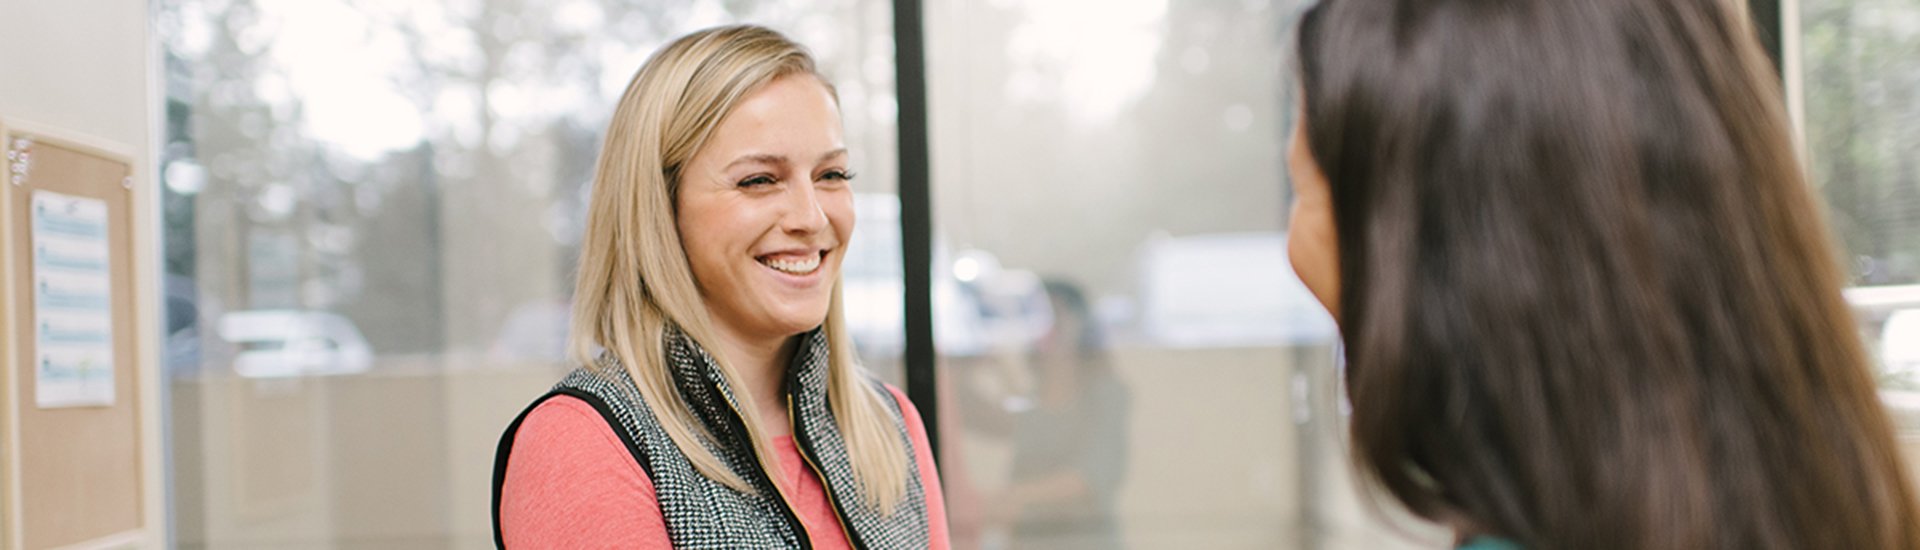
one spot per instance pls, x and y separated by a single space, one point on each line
1587 297
1070 437
719 403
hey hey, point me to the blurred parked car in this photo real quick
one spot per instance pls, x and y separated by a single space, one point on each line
1010 305
1226 290
286 343
977 305
535 331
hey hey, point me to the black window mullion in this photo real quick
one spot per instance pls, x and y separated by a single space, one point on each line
916 219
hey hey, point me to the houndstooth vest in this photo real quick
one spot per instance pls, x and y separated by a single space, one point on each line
701 512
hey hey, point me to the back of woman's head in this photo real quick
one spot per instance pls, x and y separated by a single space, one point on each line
1587 297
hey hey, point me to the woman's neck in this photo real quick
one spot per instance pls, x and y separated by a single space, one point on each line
762 366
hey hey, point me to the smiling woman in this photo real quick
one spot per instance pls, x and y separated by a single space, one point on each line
718 401
764 210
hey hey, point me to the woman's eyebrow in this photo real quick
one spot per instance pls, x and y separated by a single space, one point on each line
757 158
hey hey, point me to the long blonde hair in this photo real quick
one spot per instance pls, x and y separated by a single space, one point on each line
634 280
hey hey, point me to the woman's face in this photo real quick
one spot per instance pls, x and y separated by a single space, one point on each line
1310 234
765 211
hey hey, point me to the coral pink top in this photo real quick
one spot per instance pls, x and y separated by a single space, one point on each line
573 484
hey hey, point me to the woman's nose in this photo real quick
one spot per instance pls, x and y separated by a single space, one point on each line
804 214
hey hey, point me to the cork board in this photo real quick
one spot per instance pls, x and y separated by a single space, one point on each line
74 474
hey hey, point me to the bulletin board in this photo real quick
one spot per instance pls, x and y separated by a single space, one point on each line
74 471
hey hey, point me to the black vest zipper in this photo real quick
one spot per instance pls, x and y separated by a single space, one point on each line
804 444
786 507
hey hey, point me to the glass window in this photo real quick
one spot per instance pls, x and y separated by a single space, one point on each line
372 212
1862 131
1106 383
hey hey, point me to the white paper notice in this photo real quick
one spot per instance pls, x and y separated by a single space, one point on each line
73 305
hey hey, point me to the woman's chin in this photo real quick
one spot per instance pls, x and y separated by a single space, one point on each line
797 322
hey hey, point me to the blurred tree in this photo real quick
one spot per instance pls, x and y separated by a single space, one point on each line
422 233
1861 63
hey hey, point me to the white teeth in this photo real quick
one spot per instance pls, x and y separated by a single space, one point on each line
801 267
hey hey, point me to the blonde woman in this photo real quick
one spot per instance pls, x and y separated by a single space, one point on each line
719 404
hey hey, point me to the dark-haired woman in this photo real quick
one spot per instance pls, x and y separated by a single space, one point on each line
1587 298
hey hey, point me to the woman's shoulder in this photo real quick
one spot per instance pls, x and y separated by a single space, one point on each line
908 411
909 415
570 476
922 458
608 388
565 428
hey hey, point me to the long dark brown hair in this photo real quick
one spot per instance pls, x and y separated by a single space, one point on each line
1588 299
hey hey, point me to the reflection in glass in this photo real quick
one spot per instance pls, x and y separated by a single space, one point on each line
1069 432
1142 368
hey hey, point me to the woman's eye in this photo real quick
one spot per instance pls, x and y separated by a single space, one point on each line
837 175
756 181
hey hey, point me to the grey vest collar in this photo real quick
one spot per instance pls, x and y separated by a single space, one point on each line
702 513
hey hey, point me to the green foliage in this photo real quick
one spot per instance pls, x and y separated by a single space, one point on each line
1861 65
